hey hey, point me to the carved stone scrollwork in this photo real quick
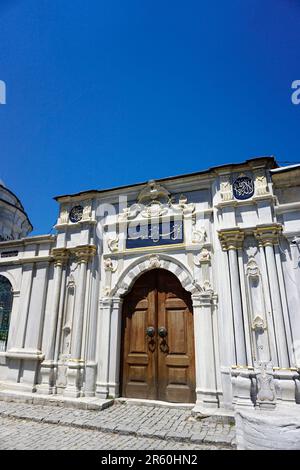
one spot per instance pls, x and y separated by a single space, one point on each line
252 269
261 185
87 210
113 244
153 209
266 396
154 261
64 215
207 286
203 257
109 265
199 235
226 188
183 207
153 191
295 250
155 201
258 324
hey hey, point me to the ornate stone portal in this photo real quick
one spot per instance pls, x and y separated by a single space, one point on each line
230 235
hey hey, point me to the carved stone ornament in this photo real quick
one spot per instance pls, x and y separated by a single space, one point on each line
261 185
153 191
106 291
154 209
266 396
258 324
295 249
87 210
183 207
154 261
64 215
203 257
109 265
113 244
199 235
225 188
252 269
207 286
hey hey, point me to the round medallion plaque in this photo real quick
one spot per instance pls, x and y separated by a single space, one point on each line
76 214
243 187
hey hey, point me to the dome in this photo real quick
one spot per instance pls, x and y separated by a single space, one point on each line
14 222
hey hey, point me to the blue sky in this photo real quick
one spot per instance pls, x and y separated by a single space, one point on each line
107 93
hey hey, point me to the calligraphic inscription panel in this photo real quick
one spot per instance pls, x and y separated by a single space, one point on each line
243 188
154 234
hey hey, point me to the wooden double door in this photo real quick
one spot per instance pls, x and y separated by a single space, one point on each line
158 359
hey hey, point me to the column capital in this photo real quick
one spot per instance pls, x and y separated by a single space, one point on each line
60 256
203 299
268 235
84 253
231 239
105 302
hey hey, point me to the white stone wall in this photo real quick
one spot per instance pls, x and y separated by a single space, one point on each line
239 260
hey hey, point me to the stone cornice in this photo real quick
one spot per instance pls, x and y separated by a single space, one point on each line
38 239
231 239
268 234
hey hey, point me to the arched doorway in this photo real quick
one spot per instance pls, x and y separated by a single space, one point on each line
158 358
6 298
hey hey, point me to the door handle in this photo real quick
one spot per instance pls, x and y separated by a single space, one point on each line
162 331
150 331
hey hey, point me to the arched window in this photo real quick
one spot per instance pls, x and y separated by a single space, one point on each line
6 298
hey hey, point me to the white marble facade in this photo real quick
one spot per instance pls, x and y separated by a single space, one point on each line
240 260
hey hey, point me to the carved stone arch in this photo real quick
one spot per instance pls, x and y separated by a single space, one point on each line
146 263
12 281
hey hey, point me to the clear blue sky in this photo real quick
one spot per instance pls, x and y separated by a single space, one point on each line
106 93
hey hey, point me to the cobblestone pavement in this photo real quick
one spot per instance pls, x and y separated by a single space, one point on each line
21 435
119 427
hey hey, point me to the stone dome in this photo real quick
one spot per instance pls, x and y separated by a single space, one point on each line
14 222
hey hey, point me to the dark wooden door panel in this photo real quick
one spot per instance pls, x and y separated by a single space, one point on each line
161 367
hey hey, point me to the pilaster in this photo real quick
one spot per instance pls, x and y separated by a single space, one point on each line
76 363
48 366
268 236
104 344
206 386
232 241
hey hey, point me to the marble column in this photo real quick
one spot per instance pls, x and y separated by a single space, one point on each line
104 345
268 237
115 347
76 362
91 364
232 241
48 366
206 387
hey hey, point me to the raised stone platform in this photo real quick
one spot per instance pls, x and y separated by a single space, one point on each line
268 430
84 403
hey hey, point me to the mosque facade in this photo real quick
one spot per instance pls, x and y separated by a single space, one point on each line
183 289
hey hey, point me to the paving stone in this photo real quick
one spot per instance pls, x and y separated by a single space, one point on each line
125 421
